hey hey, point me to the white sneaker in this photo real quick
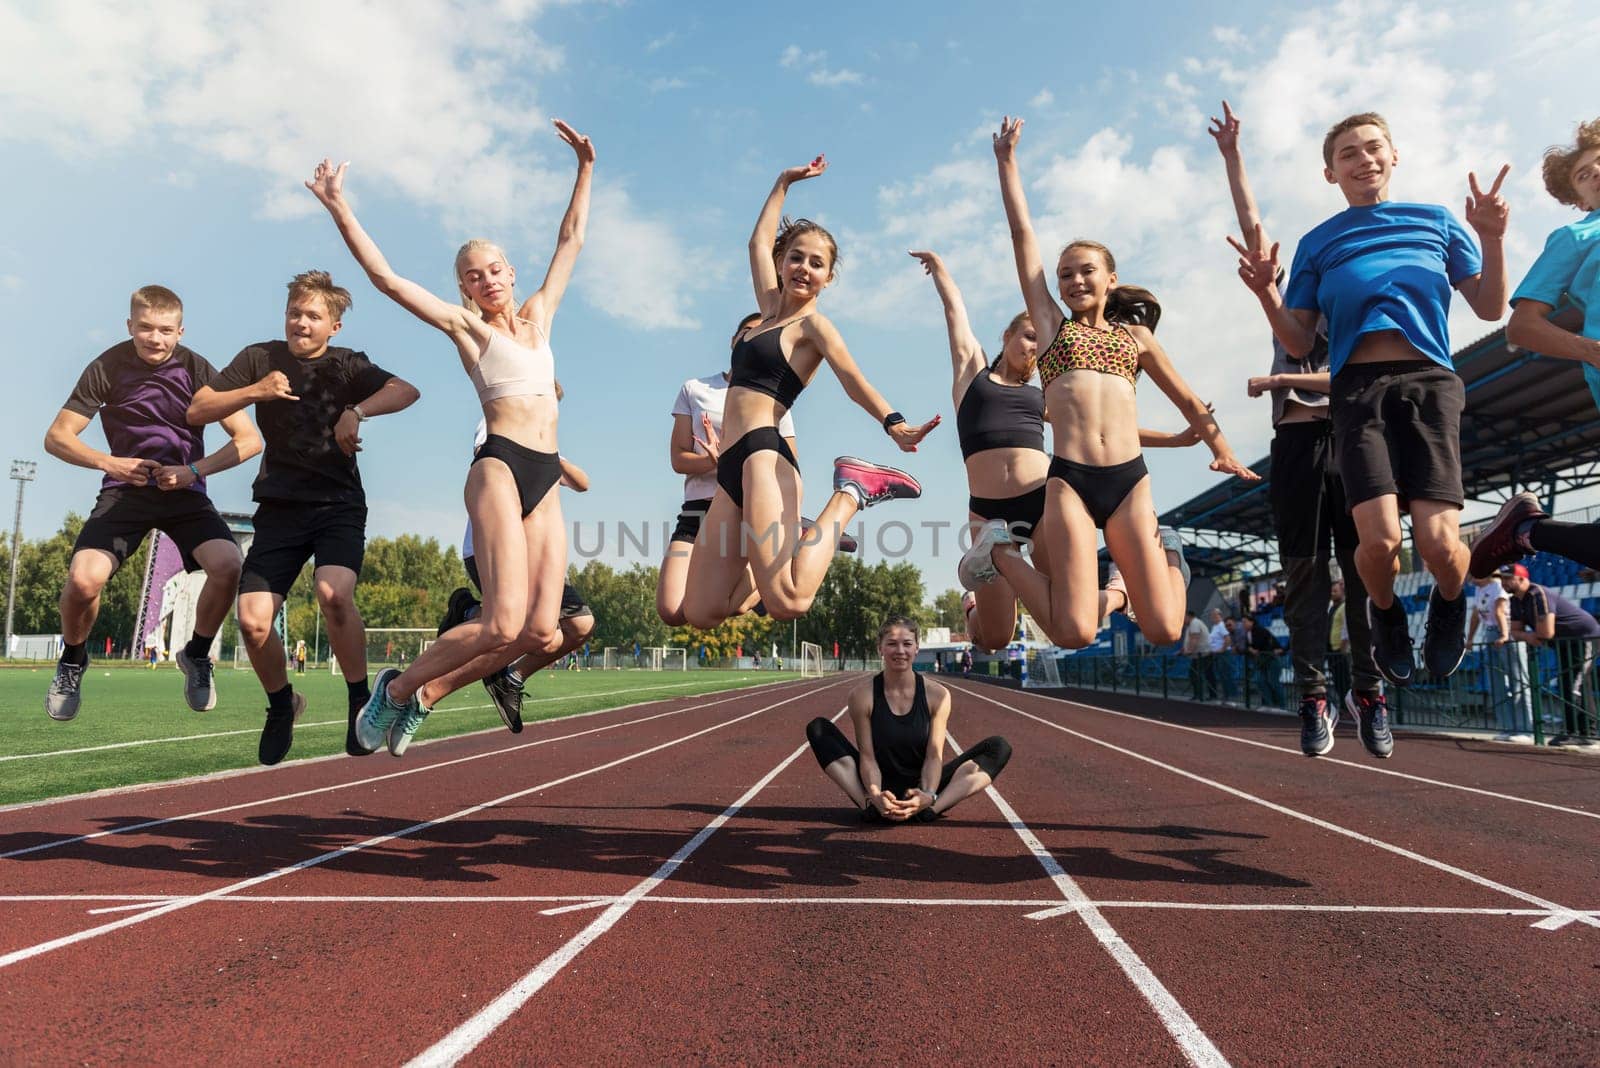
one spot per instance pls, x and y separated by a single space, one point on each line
977 567
1173 543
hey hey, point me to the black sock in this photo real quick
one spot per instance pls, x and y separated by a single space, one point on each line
75 654
281 700
1395 613
199 645
360 692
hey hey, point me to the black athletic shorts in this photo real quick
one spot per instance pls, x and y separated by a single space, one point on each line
572 602
289 534
689 517
1397 429
123 515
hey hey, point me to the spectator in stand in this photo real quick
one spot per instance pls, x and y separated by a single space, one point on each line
1540 615
1196 646
1264 649
1504 662
1338 640
1220 643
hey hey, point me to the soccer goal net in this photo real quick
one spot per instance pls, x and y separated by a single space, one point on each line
609 659
1040 670
392 646
810 659
665 658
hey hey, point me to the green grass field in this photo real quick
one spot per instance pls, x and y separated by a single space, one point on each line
123 705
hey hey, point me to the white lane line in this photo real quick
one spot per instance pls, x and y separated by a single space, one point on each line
29 952
1330 760
1197 1048
55 843
323 723
1401 851
468 1035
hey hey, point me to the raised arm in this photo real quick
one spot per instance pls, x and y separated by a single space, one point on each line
763 273
1042 307
1488 213
541 307
966 354
327 184
1226 133
244 442
822 333
1154 361
63 442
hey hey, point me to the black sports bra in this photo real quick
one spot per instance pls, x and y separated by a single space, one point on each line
992 416
758 364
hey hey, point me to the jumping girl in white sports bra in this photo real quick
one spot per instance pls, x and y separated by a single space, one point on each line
519 539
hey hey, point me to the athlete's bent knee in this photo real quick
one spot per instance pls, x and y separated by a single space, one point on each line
785 608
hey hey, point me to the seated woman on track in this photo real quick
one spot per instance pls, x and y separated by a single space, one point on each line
751 534
1000 418
896 769
1097 476
519 537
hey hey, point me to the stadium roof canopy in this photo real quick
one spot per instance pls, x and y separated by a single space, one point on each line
1530 423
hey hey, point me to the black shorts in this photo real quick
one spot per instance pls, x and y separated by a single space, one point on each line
536 473
572 602
1397 430
289 534
123 515
689 517
1021 512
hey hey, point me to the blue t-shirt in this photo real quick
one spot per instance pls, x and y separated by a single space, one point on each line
1570 264
1384 266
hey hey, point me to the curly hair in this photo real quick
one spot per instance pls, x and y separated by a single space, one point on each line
1560 159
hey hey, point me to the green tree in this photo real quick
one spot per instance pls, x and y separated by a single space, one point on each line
42 570
946 611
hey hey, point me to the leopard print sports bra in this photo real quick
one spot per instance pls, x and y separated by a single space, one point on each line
1083 348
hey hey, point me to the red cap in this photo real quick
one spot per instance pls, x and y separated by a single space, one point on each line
1514 569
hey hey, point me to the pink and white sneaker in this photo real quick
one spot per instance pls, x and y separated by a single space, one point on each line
873 483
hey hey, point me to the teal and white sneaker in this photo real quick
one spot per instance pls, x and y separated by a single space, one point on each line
379 713
405 728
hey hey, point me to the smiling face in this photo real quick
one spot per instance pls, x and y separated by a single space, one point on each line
898 647
155 333
806 266
1083 278
1362 162
308 324
485 277
1585 179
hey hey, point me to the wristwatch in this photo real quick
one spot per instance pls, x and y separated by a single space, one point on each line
893 419
361 416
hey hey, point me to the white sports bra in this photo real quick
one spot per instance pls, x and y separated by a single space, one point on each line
508 368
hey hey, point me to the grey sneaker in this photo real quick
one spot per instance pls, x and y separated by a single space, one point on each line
380 713
199 686
977 567
61 699
505 690
405 728
1172 542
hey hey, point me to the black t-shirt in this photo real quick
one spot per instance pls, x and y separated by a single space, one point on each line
302 462
142 408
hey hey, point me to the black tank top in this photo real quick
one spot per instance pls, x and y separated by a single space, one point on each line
758 364
900 742
992 416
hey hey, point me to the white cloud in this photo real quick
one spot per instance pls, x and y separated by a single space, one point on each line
817 71
656 45
1227 35
1042 99
427 107
667 85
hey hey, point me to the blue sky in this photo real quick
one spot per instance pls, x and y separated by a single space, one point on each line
167 145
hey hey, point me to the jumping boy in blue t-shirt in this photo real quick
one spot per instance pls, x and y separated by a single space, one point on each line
1570 264
1381 272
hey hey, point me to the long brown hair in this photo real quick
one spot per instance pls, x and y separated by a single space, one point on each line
1128 305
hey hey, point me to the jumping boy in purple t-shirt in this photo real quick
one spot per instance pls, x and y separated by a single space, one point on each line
154 480
1380 272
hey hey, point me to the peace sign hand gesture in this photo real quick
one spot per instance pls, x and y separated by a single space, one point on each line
580 144
1226 131
1005 142
327 183
1487 212
1258 267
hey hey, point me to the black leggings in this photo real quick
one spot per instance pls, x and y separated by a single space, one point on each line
730 465
828 744
1575 541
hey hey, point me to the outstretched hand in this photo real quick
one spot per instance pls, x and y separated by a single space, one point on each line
809 170
908 437
1228 464
1225 131
580 144
327 182
930 261
1487 212
1258 267
1005 142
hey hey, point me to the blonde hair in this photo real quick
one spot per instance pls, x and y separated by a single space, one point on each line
156 298
320 284
477 244
1005 339
1345 125
1559 161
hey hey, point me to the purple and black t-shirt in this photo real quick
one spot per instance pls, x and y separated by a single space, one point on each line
1538 602
142 407
302 462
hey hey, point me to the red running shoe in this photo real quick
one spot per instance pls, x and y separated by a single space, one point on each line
874 483
1498 544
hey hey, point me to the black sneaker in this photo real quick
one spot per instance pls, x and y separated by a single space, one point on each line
1444 642
505 690
926 815
1372 721
1316 726
199 685
277 735
461 604
351 746
66 690
1391 647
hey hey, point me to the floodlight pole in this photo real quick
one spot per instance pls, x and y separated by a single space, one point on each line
23 471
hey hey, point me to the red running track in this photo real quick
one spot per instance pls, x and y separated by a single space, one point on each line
676 882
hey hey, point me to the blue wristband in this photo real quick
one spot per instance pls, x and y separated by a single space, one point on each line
197 475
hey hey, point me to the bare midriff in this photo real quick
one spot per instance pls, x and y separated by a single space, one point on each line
1295 412
1001 473
745 410
1094 418
530 421
1384 346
